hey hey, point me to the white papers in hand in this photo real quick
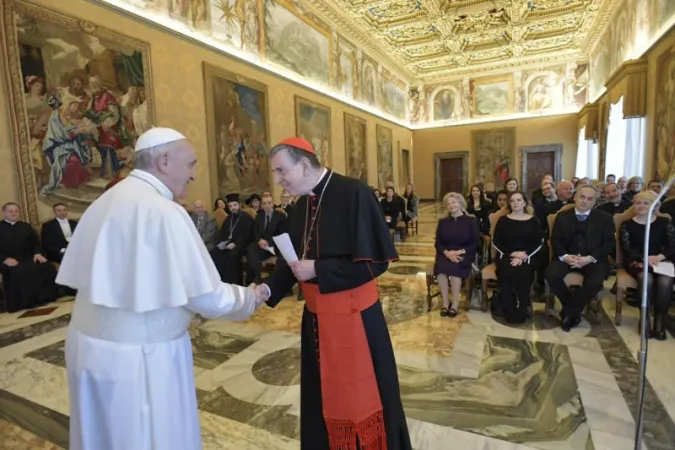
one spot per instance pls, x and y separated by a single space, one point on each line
665 268
222 245
270 249
285 246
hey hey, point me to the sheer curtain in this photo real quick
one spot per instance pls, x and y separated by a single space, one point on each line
626 138
588 161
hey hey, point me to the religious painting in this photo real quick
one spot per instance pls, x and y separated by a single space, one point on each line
192 12
405 168
346 70
297 41
393 96
492 97
312 122
446 104
237 23
576 87
81 95
385 155
494 153
543 91
237 126
664 130
355 147
663 13
369 83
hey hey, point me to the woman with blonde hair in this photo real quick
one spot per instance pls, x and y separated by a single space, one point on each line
661 248
457 239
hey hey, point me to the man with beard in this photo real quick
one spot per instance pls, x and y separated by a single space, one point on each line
235 234
615 202
349 385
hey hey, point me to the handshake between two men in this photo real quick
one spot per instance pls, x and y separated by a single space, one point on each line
302 270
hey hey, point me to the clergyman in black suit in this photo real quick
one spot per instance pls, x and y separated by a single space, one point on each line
286 203
268 223
56 233
582 240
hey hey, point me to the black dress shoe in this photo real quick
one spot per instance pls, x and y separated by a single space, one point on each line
570 322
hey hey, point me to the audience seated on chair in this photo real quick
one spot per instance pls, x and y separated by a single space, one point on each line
479 207
231 242
269 223
56 234
457 240
661 248
392 209
411 207
582 240
518 238
615 202
206 224
27 280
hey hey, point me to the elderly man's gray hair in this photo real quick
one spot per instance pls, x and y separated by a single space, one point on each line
588 186
145 159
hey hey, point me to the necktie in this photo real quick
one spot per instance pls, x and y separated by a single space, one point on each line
199 222
582 217
267 221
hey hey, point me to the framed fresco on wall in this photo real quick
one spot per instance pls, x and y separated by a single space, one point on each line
492 96
356 131
79 96
312 122
385 155
238 137
297 41
664 130
494 155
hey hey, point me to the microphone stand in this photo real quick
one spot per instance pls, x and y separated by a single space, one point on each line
644 319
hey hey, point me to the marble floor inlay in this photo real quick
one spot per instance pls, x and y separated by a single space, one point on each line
469 382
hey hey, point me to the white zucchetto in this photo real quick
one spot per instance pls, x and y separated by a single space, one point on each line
157 136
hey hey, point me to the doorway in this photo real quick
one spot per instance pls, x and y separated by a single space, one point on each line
452 173
538 161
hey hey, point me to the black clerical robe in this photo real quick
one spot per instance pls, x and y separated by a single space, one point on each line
237 229
350 244
27 284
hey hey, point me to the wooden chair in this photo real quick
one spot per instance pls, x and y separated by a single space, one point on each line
432 281
489 271
413 226
573 279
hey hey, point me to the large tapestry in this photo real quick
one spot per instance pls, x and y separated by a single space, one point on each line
79 96
664 134
385 155
237 126
312 122
494 155
355 147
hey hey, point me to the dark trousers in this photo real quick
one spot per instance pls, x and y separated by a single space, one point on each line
254 256
659 289
542 264
574 304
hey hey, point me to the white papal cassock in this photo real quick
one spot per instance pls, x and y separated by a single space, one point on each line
140 270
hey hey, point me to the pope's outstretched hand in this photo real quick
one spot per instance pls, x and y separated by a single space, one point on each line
260 294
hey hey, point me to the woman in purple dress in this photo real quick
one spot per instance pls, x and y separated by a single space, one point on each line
457 239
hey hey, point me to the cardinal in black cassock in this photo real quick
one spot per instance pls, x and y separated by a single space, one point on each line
350 396
27 278
235 234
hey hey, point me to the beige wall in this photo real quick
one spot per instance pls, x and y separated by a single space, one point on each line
536 131
179 98
8 181
666 42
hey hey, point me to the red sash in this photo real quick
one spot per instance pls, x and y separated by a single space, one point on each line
352 408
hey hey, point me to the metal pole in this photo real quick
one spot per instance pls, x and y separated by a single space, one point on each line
644 319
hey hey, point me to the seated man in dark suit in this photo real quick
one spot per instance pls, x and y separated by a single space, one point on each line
206 225
582 240
268 223
286 203
56 234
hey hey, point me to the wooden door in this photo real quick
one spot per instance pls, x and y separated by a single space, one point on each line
451 175
537 165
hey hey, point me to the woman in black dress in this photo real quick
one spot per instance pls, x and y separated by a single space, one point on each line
518 237
411 204
456 245
500 202
391 208
480 207
661 248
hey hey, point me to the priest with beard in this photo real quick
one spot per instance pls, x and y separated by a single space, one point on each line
349 388
235 234
27 277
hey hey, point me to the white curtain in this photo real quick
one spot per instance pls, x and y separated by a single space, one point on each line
588 160
626 139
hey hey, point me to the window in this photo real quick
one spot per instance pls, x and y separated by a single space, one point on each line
626 138
587 157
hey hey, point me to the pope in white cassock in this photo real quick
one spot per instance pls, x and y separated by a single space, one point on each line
141 270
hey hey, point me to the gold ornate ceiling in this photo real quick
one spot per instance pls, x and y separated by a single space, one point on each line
435 40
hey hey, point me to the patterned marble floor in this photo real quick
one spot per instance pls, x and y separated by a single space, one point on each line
466 383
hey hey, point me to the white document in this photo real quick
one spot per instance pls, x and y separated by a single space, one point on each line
222 245
285 247
665 268
270 249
